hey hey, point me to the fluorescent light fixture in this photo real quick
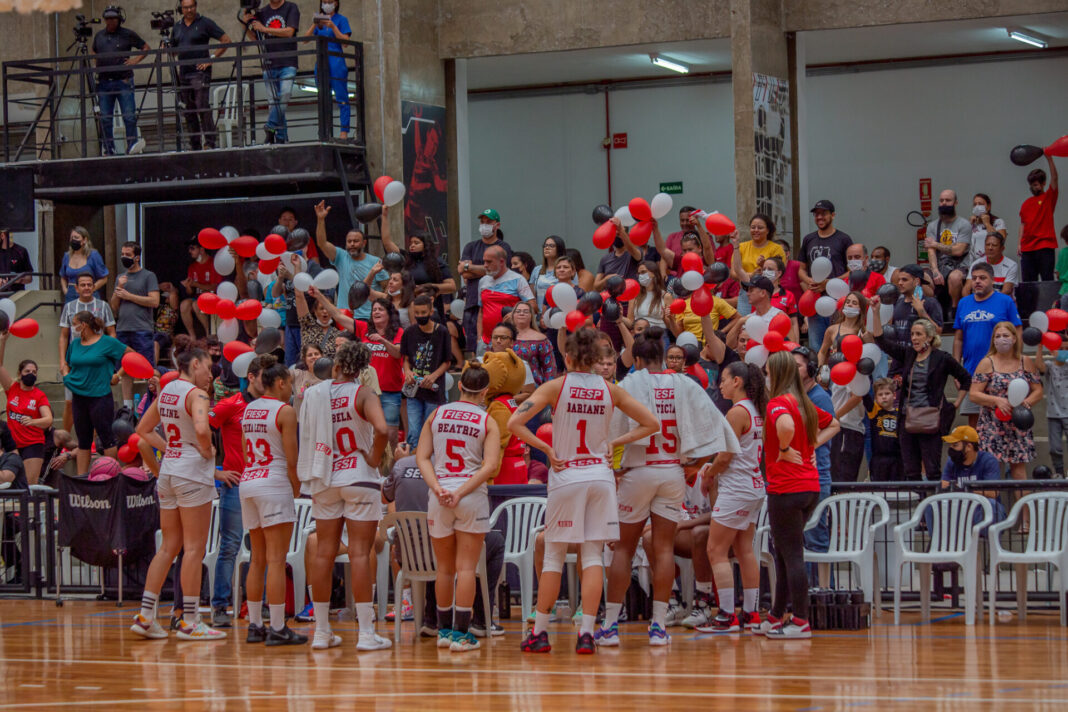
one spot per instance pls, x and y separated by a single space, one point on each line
669 64
1027 38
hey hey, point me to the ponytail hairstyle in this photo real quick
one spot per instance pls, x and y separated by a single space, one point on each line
352 358
184 360
583 347
649 346
753 382
271 371
93 322
474 378
259 363
785 380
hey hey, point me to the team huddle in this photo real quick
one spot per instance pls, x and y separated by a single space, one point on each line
626 460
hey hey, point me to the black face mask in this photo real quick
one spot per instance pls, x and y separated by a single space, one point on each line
947 211
75 245
957 456
877 265
127 262
215 358
617 243
28 379
422 320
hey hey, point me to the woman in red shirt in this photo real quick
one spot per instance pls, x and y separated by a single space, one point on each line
29 414
793 429
383 337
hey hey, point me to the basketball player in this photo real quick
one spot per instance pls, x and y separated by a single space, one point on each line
581 505
186 488
739 486
354 497
459 450
268 485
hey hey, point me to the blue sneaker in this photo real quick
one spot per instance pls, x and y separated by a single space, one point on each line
307 615
445 638
657 635
608 637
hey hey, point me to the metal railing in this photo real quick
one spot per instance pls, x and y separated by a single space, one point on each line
52 106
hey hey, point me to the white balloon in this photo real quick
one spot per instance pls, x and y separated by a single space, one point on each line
456 308
227 290
686 337
224 262
869 319
264 279
558 320
263 253
825 306
8 307
242 362
327 279
1039 320
692 280
821 269
1018 390
564 297
758 356
302 281
228 330
886 313
860 385
756 327
269 318
449 381
625 217
230 233
393 193
873 352
837 288
660 205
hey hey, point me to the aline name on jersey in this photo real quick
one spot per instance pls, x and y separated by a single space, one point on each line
580 394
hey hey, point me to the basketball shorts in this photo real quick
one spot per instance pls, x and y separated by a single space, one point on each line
582 511
360 504
656 489
736 512
470 515
266 510
175 492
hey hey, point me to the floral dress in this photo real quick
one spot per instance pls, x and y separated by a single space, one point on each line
1004 440
540 357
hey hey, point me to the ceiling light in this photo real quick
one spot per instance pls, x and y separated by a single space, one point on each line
1027 38
669 64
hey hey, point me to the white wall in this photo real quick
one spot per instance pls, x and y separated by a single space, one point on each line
871 137
538 159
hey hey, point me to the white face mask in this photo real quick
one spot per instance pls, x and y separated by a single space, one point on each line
979 211
851 312
645 279
394 292
855 265
771 274
328 8
486 229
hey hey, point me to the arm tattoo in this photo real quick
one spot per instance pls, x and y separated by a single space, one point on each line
525 407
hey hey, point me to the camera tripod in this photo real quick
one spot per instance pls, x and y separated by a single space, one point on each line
179 106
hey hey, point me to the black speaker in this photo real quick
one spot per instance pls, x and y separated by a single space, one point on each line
16 199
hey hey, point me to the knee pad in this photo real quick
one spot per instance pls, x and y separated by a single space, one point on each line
555 554
592 554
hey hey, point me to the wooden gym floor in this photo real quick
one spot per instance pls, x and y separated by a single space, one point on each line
82 657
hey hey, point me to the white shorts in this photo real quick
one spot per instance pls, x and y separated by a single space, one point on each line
658 489
582 511
267 510
736 512
471 515
967 407
360 504
175 492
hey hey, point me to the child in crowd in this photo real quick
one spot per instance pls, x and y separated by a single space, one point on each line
1053 369
885 463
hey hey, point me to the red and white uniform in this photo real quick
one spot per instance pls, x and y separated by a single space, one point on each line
355 491
25 403
186 478
654 481
740 489
459 436
266 494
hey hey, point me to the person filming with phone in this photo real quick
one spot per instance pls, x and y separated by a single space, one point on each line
330 23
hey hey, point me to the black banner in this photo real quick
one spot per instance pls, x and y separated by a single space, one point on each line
100 520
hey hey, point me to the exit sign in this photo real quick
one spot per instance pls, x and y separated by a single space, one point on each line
673 188
619 140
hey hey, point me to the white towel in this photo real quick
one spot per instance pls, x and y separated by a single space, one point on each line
315 463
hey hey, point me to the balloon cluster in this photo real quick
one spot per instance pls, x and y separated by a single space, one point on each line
1043 327
639 215
854 363
388 191
765 338
569 311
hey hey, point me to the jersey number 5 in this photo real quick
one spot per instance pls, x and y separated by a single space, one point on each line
453 452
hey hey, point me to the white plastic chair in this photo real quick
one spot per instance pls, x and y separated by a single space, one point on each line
904 501
294 557
417 566
852 535
954 539
525 515
225 96
762 544
1046 544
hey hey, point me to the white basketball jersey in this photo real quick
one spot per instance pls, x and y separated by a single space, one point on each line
181 458
353 437
265 459
663 447
743 477
459 431
580 429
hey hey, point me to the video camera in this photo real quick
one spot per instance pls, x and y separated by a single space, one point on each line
162 21
82 30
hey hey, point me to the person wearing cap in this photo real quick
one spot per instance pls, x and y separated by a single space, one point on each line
948 243
14 259
472 268
116 81
911 305
1038 236
967 464
760 289
830 242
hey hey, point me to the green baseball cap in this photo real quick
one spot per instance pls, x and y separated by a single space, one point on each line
491 214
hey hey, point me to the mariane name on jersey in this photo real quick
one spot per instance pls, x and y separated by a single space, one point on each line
577 393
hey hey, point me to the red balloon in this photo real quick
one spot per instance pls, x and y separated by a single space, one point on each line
1058 319
574 320
852 348
549 298
640 210
245 246
127 454
677 307
632 290
1003 416
248 310
790 346
719 224
225 309
234 349
701 303
207 302
700 373
807 304
380 187
604 235
1058 148
692 262
25 328
640 233
133 440
269 266
211 239
751 344
136 365
1050 340
275 244
843 373
605 296
781 323
773 341
167 378
545 433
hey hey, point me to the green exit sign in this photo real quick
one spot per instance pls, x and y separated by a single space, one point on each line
672 188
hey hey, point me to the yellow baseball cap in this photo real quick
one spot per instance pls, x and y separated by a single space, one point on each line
963 434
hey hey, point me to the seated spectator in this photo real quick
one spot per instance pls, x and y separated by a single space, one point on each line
304 373
1006 271
29 415
499 288
1062 262
880 263
533 346
967 464
544 275
166 318
81 259
522 263
791 276
12 471
399 289
14 260
200 277
861 277
949 240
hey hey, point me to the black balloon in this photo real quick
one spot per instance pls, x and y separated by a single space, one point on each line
865 366
505 311
692 354
611 310
122 429
858 278
718 272
602 214
887 294
5 322
836 358
280 230
298 239
1022 417
323 368
889 332
615 285
1032 336
358 294
369 212
268 340
1041 473
1025 154
590 303
255 291
393 262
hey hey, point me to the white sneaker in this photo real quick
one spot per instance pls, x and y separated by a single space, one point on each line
675 614
325 639
790 631
700 615
373 642
198 631
138 147
148 629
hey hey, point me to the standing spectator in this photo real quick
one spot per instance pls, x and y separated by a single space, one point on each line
819 537
884 420
522 263
500 287
543 277
670 250
304 373
81 259
880 263
584 276
1054 373
112 84
427 356
911 305
287 218
282 289
14 260
670 258
276 23
1006 271
200 277
791 276
830 242
334 27
93 358
195 30
353 263
166 318
847 447
781 298
472 269
860 276
135 298
1062 262
984 223
652 301
423 261
316 325
747 259
1038 236
533 346
760 289
29 414
949 240
399 291
86 301
383 337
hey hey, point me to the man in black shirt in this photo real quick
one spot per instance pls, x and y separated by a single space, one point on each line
830 242
427 350
195 30
276 23
112 84
14 259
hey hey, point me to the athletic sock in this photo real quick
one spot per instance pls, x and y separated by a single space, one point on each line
445 618
704 587
255 613
189 608
724 578
461 619
321 611
365 617
660 609
541 622
587 624
749 598
128 403
611 613
278 616
149 601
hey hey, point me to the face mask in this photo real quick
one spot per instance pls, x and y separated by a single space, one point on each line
771 274
422 320
486 229
617 243
850 312
979 211
393 292
947 211
645 279
1003 344
855 265
877 265
328 8
75 245
127 262
76 330
957 456
215 358
28 379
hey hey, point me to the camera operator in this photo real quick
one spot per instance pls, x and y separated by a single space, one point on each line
195 30
278 21
117 84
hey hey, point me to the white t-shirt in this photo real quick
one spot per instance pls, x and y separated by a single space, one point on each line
978 251
1005 271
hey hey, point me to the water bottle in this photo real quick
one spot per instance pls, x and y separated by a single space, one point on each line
137 402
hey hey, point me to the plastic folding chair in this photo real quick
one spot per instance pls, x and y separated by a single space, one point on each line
294 557
525 515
